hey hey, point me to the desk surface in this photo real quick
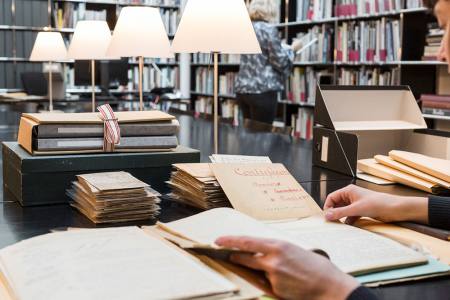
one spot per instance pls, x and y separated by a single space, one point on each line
17 223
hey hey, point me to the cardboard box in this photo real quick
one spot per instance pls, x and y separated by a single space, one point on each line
353 123
38 180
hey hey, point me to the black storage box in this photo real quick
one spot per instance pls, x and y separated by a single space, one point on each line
358 122
38 180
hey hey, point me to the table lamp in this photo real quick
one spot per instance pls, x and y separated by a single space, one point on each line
90 42
49 47
140 33
216 26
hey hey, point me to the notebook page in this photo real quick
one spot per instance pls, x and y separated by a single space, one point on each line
353 250
114 263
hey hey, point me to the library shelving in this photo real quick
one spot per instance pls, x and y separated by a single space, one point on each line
373 42
21 20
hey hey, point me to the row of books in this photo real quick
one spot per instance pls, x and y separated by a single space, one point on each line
374 76
322 48
348 8
152 2
67 14
314 9
323 9
302 124
204 81
169 77
26 13
368 41
148 61
229 109
202 58
303 82
438 105
433 43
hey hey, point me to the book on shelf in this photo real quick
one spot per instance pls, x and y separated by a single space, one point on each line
229 108
226 83
433 42
368 41
351 8
368 76
152 78
170 20
303 82
321 50
204 80
411 4
302 123
314 9
153 2
67 14
202 58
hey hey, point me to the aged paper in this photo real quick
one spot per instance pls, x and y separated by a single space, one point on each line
114 263
239 159
109 181
264 191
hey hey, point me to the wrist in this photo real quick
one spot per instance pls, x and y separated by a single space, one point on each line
413 209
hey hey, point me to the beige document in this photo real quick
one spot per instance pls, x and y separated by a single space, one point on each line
436 167
389 162
114 264
372 167
239 159
109 181
353 250
437 248
264 191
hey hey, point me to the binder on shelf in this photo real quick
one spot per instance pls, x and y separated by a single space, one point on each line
353 123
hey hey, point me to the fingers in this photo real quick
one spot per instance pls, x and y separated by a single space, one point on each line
335 214
339 198
248 260
247 244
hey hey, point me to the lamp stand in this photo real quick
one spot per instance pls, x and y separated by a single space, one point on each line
93 83
50 86
216 102
141 70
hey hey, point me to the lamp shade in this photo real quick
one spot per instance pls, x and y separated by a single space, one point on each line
139 32
222 26
48 46
90 41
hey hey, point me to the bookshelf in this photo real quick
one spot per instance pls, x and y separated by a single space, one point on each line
21 20
403 65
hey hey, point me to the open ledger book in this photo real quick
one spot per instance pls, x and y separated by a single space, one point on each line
114 264
270 203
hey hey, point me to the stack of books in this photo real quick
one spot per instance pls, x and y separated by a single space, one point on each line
196 185
438 105
433 44
69 133
113 197
422 172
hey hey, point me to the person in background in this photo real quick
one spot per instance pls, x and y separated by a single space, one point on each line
295 273
261 77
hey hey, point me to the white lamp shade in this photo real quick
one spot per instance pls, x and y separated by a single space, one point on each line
90 41
49 46
222 26
140 32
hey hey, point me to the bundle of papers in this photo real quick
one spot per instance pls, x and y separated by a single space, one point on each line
113 197
425 173
195 185
49 134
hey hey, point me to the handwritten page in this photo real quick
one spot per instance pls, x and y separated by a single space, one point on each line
264 191
114 263
351 249
108 181
239 159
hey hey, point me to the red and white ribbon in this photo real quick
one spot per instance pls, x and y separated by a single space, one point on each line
111 128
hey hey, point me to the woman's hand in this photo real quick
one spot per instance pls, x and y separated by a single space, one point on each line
294 273
354 202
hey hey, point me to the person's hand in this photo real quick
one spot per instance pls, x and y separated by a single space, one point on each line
354 202
296 45
294 273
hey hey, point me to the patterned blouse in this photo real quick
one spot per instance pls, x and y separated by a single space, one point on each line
267 71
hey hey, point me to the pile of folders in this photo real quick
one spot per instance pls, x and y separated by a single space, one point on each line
65 133
422 172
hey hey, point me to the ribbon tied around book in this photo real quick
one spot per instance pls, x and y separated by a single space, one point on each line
111 131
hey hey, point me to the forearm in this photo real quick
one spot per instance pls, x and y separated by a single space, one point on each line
414 209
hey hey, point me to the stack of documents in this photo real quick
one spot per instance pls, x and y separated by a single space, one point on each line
195 185
114 197
425 173
49 133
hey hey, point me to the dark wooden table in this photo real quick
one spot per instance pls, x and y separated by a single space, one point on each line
17 223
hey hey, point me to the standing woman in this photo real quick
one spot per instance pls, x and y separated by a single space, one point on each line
262 76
